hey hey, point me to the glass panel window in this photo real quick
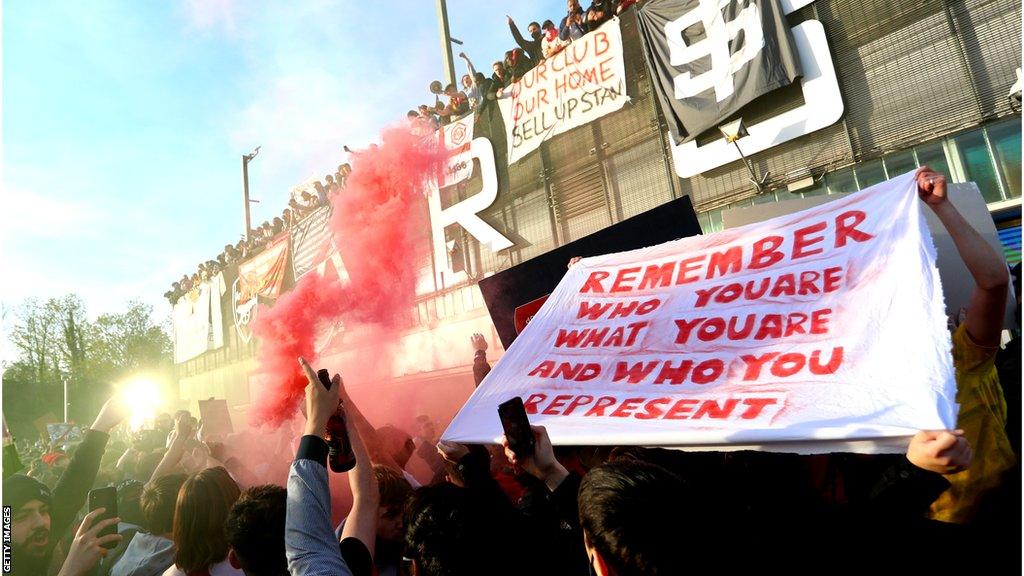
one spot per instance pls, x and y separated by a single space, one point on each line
716 220
705 222
1005 140
900 163
978 164
841 182
533 222
933 156
870 173
640 175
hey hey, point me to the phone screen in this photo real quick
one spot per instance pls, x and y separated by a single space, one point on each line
105 498
517 426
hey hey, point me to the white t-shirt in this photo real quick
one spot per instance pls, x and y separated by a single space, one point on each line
222 568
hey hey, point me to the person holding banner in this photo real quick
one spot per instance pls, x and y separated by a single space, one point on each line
632 513
975 343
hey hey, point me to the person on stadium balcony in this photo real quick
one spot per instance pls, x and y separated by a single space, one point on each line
499 79
531 46
332 187
321 190
599 12
975 343
429 117
574 25
40 517
551 44
474 91
517 63
458 103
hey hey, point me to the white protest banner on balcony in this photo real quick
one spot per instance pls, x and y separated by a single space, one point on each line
580 84
818 328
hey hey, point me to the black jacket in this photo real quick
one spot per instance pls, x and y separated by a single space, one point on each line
532 47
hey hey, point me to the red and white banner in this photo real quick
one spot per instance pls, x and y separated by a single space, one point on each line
456 138
264 273
817 328
580 84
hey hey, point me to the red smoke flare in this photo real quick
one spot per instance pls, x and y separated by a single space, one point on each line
378 222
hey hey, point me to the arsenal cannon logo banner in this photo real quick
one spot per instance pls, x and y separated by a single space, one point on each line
822 326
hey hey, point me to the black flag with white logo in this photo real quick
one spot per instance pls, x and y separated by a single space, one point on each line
709 58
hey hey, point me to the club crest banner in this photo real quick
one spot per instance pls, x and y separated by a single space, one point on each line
456 138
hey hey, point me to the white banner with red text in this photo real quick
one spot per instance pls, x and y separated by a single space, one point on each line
580 84
818 329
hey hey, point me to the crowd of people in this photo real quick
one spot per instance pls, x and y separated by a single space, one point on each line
476 90
298 208
189 505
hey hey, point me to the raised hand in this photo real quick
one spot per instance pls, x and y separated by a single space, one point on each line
321 403
87 548
931 186
942 451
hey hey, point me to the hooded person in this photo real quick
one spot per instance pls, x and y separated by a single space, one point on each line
40 517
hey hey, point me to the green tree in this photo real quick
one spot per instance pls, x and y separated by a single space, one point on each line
56 340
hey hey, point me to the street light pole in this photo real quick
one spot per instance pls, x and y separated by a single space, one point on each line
446 42
64 379
245 188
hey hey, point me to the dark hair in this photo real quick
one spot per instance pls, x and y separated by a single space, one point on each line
441 533
129 496
393 487
547 24
203 505
451 531
157 502
532 24
620 503
255 530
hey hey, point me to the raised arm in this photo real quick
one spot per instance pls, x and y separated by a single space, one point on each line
985 311
362 520
368 434
75 483
516 34
310 544
179 440
469 65
480 366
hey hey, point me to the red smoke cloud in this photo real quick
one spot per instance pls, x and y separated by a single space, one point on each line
377 221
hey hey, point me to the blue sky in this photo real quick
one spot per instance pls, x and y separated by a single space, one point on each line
124 123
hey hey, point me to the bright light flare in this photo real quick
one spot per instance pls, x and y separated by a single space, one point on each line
142 396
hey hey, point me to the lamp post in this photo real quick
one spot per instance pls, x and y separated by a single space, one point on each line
64 381
732 132
245 188
446 42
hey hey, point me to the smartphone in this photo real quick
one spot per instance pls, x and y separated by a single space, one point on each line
339 455
105 498
517 426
